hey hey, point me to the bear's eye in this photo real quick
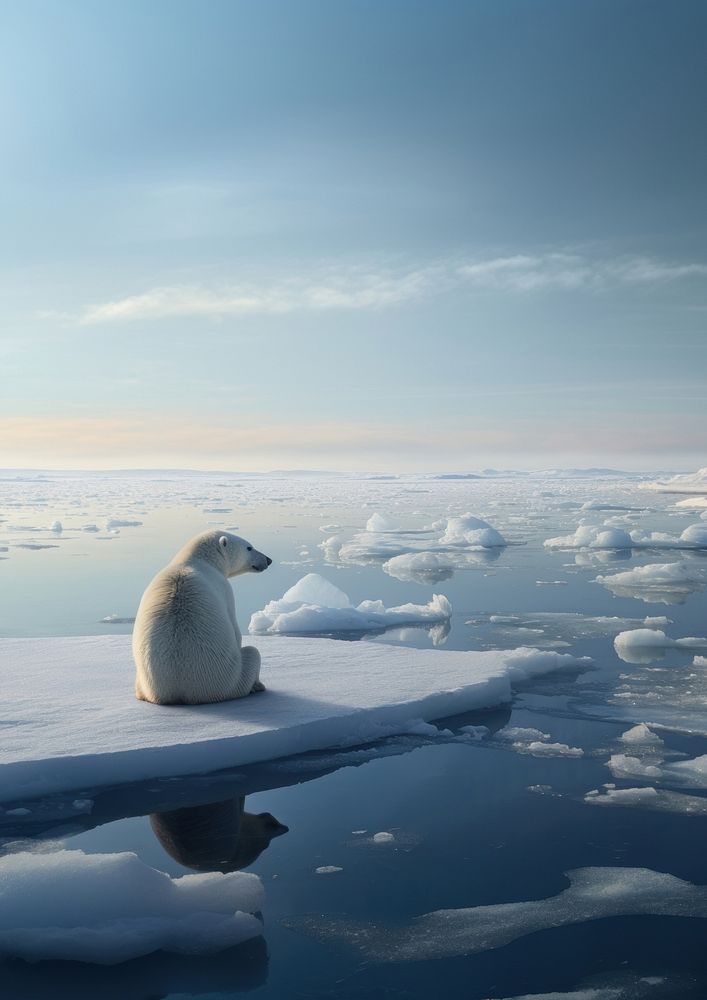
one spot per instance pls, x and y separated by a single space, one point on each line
250 548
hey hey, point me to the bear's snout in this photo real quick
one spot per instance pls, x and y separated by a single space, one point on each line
268 560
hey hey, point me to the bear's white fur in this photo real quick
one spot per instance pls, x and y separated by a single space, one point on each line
186 641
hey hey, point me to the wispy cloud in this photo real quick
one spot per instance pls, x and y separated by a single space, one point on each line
378 288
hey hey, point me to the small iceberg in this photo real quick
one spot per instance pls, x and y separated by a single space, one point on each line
316 606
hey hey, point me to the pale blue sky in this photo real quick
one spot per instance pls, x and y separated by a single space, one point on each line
351 234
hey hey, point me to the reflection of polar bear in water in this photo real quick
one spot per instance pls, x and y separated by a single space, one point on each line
186 641
219 836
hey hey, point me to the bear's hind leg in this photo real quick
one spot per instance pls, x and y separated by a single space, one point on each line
249 680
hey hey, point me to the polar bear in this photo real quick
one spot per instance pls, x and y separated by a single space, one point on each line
186 641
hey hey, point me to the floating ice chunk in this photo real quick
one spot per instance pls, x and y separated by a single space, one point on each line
642 735
587 536
661 583
110 908
315 605
690 773
383 837
514 733
538 749
56 527
692 482
470 531
314 589
694 503
377 522
430 567
115 619
593 894
119 522
591 537
321 693
658 800
327 869
476 733
638 645
700 661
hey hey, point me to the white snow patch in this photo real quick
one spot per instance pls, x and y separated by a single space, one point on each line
383 837
110 908
315 605
322 693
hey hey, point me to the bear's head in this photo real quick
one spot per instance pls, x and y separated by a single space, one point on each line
239 556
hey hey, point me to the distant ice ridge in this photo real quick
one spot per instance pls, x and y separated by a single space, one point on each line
656 583
321 693
314 605
593 894
110 908
425 554
606 536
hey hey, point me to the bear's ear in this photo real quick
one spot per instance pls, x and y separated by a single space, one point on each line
223 541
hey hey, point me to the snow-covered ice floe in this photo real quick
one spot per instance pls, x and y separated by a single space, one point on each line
656 583
71 720
314 605
110 908
639 645
655 799
606 536
426 555
691 482
593 894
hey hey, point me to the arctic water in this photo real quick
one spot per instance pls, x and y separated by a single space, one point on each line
596 772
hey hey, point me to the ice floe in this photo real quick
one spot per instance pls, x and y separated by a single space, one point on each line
321 693
606 536
110 908
639 645
593 894
656 799
691 773
656 583
315 606
426 555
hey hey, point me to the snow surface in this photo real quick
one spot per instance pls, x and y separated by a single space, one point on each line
593 894
110 908
314 605
71 720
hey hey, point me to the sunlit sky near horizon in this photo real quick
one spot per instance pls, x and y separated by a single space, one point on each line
353 234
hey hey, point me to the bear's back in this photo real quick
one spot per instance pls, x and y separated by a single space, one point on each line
183 631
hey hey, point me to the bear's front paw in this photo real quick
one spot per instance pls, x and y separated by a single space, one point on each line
257 687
